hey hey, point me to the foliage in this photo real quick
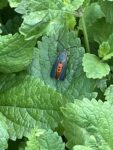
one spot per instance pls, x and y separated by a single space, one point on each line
40 112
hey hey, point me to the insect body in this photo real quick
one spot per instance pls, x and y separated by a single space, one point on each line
59 67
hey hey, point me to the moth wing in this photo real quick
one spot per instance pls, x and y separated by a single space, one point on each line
53 70
63 72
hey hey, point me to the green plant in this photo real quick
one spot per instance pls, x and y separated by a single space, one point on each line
40 113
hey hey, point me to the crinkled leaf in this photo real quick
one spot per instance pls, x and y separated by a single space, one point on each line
96 118
107 8
94 67
95 30
14 3
109 94
15 53
80 147
3 3
104 49
44 140
45 56
46 16
102 84
29 103
3 133
94 9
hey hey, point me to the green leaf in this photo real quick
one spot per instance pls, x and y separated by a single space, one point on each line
95 118
15 53
80 147
46 17
29 103
94 9
45 56
3 3
94 67
109 94
42 139
104 49
107 8
3 133
14 3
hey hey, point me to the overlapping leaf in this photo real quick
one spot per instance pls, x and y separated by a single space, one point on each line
14 3
109 94
29 103
45 140
45 56
15 53
94 67
96 118
3 133
47 17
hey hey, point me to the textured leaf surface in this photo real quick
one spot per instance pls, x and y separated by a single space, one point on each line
46 16
3 133
109 94
107 8
94 67
94 9
15 53
44 140
45 56
96 118
79 147
29 103
14 3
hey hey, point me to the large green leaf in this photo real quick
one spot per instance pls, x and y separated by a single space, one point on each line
109 94
29 103
107 8
46 16
3 133
42 139
15 53
94 67
95 118
45 56
80 147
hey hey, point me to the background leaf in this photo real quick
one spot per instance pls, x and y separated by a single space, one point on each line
109 94
94 67
44 140
15 53
94 118
29 103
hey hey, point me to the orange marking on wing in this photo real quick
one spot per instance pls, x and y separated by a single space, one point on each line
59 69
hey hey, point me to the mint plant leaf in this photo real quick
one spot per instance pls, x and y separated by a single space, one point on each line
104 49
29 103
94 9
44 140
95 118
15 53
79 147
14 3
94 67
45 56
106 7
109 94
3 133
46 17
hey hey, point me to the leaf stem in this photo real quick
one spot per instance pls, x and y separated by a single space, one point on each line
85 35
